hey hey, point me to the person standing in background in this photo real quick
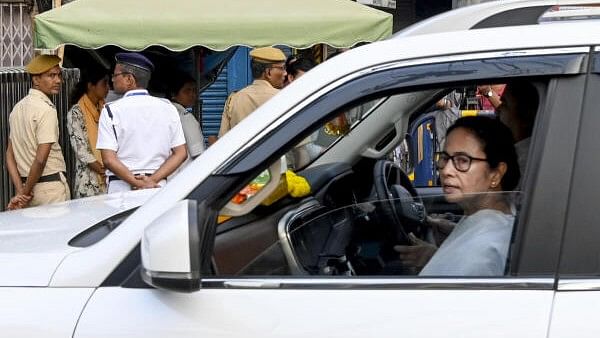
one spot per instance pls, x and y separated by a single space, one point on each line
268 71
82 122
139 136
492 96
34 158
296 66
183 93
305 151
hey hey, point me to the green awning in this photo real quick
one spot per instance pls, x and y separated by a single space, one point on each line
215 24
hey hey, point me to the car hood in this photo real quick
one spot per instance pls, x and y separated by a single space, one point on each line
34 241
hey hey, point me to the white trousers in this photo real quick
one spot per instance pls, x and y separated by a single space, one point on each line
121 186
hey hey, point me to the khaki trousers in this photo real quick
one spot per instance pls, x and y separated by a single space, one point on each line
50 192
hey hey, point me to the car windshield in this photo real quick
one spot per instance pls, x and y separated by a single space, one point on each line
310 148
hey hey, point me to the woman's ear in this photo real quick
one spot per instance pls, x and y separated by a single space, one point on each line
498 174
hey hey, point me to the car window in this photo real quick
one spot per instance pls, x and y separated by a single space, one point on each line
427 132
310 148
360 240
348 225
377 160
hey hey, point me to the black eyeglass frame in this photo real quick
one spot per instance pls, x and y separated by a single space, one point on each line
442 156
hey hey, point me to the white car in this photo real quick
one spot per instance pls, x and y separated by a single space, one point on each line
495 13
215 254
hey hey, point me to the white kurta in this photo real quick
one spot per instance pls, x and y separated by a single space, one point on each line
477 246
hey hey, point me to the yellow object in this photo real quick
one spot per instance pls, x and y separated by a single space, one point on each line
280 191
91 116
267 55
420 144
297 186
469 112
290 183
41 64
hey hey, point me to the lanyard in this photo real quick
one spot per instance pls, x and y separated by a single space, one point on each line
110 114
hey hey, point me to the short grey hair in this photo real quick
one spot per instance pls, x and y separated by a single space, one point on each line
142 76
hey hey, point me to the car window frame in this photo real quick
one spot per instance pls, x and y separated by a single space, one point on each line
579 270
573 64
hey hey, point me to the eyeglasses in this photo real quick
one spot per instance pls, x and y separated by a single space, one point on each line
462 162
278 67
121 73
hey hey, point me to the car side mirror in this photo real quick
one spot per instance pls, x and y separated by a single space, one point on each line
170 249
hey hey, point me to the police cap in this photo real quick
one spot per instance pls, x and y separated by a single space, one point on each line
267 55
41 64
135 59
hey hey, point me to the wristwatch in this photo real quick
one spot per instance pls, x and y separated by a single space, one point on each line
490 93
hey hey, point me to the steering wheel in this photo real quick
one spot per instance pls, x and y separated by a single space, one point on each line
399 204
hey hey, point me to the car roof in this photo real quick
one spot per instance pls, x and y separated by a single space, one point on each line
486 15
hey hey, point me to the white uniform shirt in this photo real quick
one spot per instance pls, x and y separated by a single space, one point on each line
192 132
477 246
146 129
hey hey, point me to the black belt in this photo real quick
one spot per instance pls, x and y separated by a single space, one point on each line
48 178
117 178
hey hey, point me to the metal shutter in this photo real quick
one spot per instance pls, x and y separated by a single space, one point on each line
213 100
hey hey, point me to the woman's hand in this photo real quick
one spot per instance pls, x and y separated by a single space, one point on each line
440 226
417 254
96 167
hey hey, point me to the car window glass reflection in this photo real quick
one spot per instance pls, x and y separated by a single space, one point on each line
515 103
320 140
358 240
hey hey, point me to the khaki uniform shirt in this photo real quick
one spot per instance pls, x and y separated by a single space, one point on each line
239 105
34 121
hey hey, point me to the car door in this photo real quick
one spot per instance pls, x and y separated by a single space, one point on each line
517 304
578 295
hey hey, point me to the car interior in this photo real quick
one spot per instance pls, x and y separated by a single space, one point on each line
361 168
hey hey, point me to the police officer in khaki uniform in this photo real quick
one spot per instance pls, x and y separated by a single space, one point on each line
268 71
34 159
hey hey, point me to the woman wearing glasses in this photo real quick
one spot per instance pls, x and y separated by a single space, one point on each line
478 163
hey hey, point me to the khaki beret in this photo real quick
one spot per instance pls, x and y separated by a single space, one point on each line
41 64
267 55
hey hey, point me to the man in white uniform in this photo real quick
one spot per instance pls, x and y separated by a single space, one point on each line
140 136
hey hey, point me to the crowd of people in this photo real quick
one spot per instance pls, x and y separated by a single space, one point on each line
136 141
